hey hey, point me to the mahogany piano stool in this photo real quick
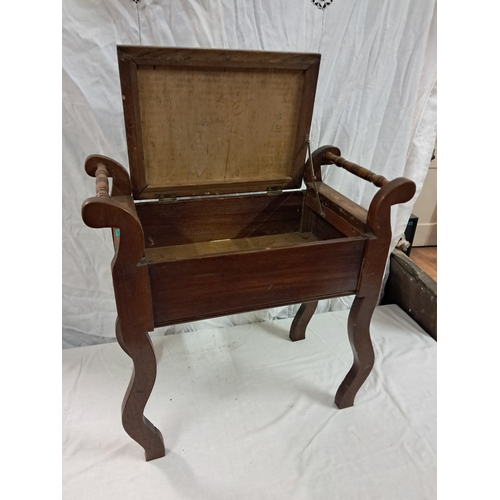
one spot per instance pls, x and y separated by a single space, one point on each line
225 210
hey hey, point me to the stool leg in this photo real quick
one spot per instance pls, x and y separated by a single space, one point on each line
378 222
358 327
119 338
136 425
301 320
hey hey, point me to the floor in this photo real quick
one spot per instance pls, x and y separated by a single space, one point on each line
246 414
426 258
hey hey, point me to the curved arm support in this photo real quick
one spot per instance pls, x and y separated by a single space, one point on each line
105 212
319 157
397 191
378 221
121 179
130 272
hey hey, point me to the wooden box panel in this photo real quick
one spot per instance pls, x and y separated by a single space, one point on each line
216 285
206 219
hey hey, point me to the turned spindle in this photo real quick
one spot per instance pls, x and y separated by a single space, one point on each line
362 172
101 181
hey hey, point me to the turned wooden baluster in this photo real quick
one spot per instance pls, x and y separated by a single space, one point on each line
101 181
330 155
132 295
364 173
108 168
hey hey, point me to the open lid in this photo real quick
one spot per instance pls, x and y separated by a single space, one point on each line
203 121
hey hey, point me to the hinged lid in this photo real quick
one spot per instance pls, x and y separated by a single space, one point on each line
202 121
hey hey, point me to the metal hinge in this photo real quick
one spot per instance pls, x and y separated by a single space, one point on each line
167 198
274 190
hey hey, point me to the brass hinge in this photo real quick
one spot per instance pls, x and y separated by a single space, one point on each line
274 190
167 198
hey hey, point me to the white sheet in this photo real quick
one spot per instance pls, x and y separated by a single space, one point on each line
248 414
376 100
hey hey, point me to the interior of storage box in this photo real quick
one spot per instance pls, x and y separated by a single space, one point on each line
201 226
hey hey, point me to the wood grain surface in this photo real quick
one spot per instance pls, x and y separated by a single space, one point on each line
222 284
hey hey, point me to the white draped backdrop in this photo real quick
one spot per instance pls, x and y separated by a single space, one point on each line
376 101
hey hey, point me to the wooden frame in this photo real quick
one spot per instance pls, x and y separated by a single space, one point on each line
272 86
193 258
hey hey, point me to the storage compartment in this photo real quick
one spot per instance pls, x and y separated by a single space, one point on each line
203 226
221 255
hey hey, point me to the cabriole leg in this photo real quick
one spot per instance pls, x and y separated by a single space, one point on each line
301 320
137 426
358 327
378 222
